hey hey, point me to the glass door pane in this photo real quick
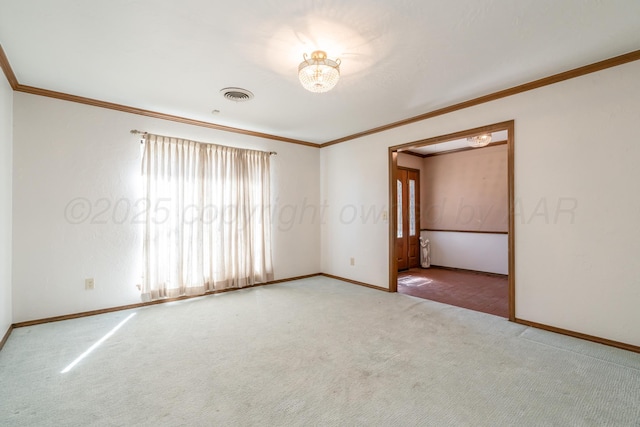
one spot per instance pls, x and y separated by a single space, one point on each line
412 207
399 203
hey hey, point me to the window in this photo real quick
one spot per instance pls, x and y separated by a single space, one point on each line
208 223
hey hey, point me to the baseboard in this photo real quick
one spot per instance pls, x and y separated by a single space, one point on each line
145 304
6 336
366 285
469 271
291 279
624 346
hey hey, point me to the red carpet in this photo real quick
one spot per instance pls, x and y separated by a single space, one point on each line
477 291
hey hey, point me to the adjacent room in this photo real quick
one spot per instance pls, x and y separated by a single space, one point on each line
458 218
352 212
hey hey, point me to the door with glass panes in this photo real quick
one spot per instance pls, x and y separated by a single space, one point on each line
408 227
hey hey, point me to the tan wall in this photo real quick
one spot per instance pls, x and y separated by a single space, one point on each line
466 191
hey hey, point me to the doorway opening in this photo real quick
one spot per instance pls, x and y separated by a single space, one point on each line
457 245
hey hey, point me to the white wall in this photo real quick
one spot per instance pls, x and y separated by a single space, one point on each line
6 153
66 153
577 233
354 191
486 252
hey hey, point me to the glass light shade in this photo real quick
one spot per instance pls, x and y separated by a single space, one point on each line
318 73
480 140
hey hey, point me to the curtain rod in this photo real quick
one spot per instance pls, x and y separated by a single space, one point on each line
141 132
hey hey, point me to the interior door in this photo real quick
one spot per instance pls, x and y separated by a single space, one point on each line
408 227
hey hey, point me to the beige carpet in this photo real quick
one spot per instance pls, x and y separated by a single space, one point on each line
312 352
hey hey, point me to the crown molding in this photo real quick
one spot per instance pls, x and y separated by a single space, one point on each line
148 113
17 87
452 151
8 71
545 81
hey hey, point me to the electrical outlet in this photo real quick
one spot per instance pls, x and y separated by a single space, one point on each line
352 261
89 284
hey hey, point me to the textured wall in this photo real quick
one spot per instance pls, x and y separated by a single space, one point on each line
576 221
466 191
6 144
469 251
77 192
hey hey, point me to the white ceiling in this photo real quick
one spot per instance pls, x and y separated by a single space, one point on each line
454 144
400 58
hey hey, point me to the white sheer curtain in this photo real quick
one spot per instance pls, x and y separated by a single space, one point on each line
208 222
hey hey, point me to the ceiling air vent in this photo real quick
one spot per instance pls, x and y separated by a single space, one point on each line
236 94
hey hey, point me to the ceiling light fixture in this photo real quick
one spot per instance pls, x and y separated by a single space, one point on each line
479 140
319 73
